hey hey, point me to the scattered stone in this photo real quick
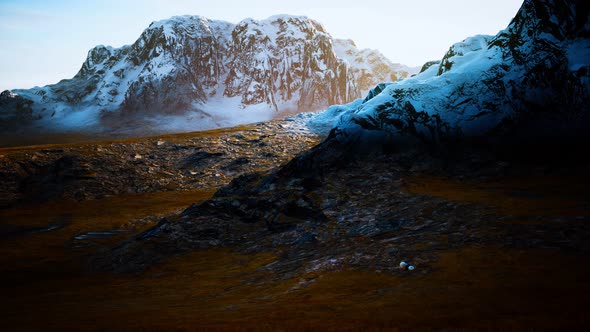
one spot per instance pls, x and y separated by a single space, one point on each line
52 150
403 265
98 170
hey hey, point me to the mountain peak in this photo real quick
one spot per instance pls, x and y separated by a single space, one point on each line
189 73
180 20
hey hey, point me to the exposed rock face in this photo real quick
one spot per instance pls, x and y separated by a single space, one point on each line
181 61
370 66
531 80
287 59
20 108
209 74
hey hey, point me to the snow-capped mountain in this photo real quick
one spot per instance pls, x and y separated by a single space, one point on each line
370 66
189 73
530 80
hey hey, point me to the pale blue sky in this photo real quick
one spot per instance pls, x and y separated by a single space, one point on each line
44 41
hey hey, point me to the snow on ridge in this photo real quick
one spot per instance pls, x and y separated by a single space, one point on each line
285 17
348 50
180 20
294 26
483 85
371 66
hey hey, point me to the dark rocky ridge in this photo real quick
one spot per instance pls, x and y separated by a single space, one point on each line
530 81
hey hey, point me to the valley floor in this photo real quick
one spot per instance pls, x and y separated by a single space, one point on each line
506 250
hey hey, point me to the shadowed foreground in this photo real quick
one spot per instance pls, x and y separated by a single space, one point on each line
511 256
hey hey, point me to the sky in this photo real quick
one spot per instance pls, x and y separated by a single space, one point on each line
44 41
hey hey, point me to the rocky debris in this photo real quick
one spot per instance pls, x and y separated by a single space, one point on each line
185 162
336 215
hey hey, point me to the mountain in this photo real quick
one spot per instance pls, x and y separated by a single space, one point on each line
370 66
356 195
189 72
531 80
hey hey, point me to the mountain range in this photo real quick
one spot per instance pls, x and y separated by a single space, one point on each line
464 118
190 73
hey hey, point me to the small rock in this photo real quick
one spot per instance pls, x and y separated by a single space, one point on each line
406 266
137 156
160 142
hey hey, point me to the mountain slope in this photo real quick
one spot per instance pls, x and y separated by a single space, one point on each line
370 66
189 72
346 204
530 80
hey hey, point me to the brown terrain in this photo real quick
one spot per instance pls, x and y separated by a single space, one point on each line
103 236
